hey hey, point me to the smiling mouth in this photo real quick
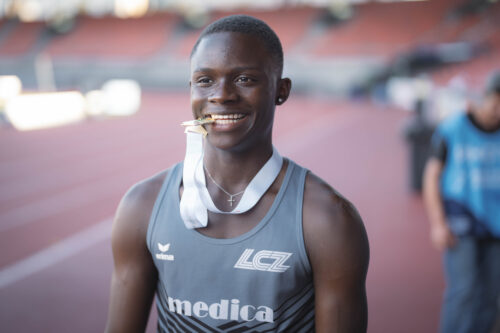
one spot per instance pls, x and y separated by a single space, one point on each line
225 119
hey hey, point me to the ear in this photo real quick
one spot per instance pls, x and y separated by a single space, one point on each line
283 91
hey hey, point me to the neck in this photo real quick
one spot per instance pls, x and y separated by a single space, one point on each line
234 170
484 122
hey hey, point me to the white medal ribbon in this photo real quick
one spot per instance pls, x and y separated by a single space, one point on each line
193 212
196 200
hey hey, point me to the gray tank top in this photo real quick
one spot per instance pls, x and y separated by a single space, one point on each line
260 281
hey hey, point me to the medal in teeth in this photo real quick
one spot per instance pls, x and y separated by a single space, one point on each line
196 126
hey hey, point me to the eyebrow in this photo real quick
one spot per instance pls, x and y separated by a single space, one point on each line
236 69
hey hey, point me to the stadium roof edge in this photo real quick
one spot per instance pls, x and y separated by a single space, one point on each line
47 10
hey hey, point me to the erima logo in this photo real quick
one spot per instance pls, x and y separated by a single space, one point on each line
163 256
269 261
222 310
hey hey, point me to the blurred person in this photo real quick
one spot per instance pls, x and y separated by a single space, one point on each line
237 238
462 197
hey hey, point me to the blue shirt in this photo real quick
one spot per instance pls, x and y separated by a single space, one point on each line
470 182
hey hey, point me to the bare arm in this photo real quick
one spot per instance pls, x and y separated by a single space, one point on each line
441 235
338 250
133 283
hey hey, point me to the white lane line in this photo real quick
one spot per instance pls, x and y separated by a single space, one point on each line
45 207
55 253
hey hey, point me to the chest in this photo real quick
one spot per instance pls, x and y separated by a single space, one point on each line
225 226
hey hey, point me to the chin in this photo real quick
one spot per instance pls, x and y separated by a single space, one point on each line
223 142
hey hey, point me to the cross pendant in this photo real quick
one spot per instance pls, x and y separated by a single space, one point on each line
231 200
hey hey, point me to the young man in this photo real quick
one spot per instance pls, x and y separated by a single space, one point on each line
462 196
238 239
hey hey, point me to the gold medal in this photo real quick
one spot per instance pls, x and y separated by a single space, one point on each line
196 126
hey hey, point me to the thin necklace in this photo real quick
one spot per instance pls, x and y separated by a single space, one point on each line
231 200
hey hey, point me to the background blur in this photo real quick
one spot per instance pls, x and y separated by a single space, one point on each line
92 93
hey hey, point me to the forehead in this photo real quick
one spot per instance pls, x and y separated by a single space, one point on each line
231 49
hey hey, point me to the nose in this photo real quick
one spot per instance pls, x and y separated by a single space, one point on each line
223 92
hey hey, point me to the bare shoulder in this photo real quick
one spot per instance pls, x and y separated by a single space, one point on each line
134 210
325 208
333 228
337 247
134 275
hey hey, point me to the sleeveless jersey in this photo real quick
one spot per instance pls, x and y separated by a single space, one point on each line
470 182
260 281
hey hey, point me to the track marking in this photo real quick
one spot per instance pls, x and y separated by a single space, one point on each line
56 253
46 207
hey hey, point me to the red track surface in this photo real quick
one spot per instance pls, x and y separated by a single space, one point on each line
57 183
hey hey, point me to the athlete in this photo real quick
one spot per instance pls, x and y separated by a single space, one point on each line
237 238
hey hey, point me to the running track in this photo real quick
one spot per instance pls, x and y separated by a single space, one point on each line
60 187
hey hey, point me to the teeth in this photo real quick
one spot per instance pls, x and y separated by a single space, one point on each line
226 121
223 118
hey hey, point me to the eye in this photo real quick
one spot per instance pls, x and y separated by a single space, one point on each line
203 81
244 79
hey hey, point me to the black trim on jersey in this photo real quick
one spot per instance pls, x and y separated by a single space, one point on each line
305 316
296 300
308 320
279 320
175 327
183 322
299 295
228 325
310 327
161 315
192 322
308 306
300 298
160 327
244 329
